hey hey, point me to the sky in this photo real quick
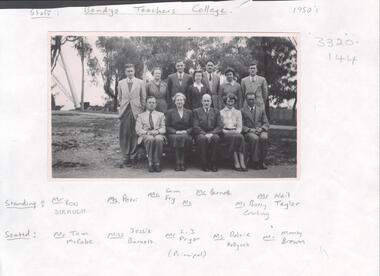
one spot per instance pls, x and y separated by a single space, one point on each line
92 93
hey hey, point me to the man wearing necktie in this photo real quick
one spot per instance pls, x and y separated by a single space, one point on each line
212 82
131 96
207 126
150 128
255 84
178 82
255 130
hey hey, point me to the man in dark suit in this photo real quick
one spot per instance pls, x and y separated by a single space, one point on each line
207 127
212 82
178 82
255 130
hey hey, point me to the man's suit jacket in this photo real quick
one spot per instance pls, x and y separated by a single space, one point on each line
204 123
174 122
194 96
136 97
214 88
259 87
174 86
143 125
254 119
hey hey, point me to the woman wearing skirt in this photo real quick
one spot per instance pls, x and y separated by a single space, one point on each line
179 123
232 127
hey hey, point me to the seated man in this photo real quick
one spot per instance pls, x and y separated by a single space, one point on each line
255 130
150 128
207 126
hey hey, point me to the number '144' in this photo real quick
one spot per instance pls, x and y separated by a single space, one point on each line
343 58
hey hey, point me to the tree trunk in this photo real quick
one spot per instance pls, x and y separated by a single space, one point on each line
82 85
115 100
69 80
294 111
52 102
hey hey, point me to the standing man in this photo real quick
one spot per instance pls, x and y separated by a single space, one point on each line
256 85
207 127
255 130
178 82
212 82
150 127
131 95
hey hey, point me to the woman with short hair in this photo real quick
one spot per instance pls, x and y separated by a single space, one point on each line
179 123
231 86
232 127
196 91
158 89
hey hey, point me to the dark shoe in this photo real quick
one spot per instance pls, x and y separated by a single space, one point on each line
237 169
205 168
214 168
255 166
157 168
244 169
177 167
183 167
134 162
127 163
151 168
262 166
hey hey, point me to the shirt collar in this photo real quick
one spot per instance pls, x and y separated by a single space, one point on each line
227 109
130 80
231 83
199 86
253 78
179 74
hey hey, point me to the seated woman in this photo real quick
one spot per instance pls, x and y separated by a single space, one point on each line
232 127
158 89
179 122
196 91
231 86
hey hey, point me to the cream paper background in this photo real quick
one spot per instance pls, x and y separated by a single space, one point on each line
338 165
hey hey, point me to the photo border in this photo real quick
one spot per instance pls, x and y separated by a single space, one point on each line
50 178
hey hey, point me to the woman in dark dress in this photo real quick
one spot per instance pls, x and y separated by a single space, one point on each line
231 86
196 91
158 89
179 123
232 127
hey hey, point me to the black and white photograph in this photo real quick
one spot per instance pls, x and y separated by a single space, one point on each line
173 105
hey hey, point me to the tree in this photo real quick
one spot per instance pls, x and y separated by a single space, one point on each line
117 51
277 57
84 51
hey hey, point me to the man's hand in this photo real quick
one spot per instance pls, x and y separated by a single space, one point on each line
208 136
152 132
258 130
181 132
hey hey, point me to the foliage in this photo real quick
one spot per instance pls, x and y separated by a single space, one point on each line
276 56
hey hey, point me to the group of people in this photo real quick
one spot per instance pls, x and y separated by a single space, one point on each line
196 108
